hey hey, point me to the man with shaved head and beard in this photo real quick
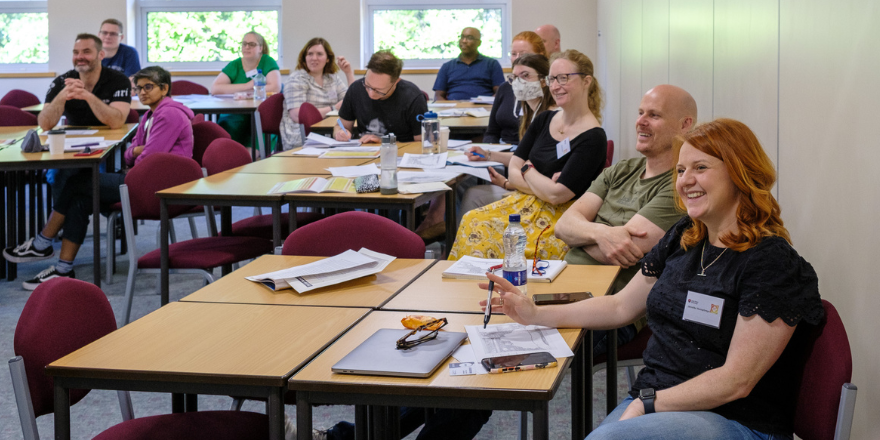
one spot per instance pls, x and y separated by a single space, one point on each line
629 207
550 35
471 74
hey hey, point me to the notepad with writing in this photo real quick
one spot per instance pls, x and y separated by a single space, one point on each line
315 185
472 268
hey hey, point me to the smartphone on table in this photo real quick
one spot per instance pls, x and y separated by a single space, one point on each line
519 362
560 298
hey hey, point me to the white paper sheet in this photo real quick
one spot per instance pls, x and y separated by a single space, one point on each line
356 171
420 188
309 151
512 339
441 175
481 173
316 140
462 159
455 144
346 266
483 100
332 113
80 132
424 161
465 353
442 104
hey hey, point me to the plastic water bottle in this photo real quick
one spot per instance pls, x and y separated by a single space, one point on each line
515 267
430 132
388 161
259 85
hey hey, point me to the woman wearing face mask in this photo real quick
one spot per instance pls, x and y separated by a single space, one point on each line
314 81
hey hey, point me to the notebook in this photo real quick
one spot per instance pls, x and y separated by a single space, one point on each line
379 356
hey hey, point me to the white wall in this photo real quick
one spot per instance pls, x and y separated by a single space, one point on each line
802 75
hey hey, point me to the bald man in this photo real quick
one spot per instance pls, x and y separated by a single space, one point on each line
551 38
629 207
471 74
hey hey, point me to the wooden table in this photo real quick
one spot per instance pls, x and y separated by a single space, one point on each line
463 125
523 391
12 159
200 348
372 291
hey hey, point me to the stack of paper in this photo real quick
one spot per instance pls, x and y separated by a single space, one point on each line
462 159
346 266
314 185
483 100
355 171
509 340
472 268
351 153
477 112
423 160
316 140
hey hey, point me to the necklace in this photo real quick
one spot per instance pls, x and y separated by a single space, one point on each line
703 273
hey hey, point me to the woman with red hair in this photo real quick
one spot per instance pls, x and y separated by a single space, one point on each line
724 293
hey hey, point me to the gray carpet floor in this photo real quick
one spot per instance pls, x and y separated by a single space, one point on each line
100 409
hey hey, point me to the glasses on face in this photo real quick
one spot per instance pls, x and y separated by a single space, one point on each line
145 88
249 44
539 266
434 327
562 78
468 37
109 34
375 90
525 76
515 55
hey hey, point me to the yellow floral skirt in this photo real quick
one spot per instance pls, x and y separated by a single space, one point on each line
481 231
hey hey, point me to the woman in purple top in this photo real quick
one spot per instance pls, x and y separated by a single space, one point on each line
167 127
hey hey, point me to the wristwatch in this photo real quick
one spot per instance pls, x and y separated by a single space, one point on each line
526 167
647 397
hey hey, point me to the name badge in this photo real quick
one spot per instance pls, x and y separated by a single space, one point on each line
563 148
251 73
703 309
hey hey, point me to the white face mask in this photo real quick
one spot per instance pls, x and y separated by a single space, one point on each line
526 91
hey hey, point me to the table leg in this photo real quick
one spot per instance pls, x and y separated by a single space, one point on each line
411 218
11 238
96 225
361 422
303 416
164 263
62 412
276 224
450 219
21 227
540 421
3 223
611 373
226 228
275 411
291 224
191 402
178 403
578 391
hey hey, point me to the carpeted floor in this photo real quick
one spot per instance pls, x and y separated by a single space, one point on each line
100 409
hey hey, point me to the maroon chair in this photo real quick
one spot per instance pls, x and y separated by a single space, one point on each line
14 117
203 134
63 315
427 97
19 99
133 117
826 400
198 118
224 155
354 230
609 154
308 116
183 87
270 112
198 255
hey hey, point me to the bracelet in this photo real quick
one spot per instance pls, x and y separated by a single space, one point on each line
504 185
489 155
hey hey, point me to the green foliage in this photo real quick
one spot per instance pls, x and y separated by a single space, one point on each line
24 38
206 36
433 33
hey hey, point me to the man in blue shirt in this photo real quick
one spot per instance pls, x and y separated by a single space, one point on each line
118 56
469 75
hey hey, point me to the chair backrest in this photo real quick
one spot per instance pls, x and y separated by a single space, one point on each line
133 117
203 134
61 316
309 115
198 118
13 116
827 367
19 98
156 172
609 154
354 230
225 154
270 114
184 87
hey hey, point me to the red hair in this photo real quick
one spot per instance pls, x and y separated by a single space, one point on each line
758 214
533 39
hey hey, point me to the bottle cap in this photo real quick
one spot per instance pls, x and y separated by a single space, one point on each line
514 218
428 115
260 71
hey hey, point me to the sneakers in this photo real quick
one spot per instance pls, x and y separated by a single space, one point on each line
26 252
44 276
290 431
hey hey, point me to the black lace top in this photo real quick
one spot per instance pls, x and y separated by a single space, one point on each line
770 280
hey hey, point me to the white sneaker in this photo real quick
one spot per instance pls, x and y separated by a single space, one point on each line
290 431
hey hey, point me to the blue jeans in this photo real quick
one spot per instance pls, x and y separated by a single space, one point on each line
681 425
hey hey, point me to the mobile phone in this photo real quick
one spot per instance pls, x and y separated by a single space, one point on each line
560 298
520 362
92 153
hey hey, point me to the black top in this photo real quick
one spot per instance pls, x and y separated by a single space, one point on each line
770 280
503 124
579 167
112 86
397 114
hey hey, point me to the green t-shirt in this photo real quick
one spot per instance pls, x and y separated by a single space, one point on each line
235 70
625 194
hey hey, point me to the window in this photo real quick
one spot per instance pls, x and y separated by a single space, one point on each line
203 34
24 36
425 35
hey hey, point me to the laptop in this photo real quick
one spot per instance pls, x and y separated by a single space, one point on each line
379 356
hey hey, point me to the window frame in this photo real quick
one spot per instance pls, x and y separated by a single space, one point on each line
369 6
144 7
21 7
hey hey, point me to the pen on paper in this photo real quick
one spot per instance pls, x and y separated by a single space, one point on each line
339 123
478 154
90 144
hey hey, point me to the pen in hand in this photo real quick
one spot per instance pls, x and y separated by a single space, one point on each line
339 123
488 305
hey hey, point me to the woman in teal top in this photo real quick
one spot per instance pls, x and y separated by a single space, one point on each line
236 77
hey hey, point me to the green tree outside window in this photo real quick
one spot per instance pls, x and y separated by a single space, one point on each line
24 38
433 33
206 36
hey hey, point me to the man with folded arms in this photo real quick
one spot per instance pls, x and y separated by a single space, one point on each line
629 207
471 74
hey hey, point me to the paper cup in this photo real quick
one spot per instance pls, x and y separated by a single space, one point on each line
444 139
56 142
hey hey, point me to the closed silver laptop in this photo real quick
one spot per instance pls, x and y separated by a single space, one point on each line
379 356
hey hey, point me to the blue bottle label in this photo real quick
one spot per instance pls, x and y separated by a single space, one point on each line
515 278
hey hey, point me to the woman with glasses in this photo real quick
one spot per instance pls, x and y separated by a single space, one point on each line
237 77
314 81
725 294
558 157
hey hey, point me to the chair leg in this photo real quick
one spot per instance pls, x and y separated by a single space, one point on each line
192 228
129 292
23 399
630 376
524 425
237 402
125 405
111 247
